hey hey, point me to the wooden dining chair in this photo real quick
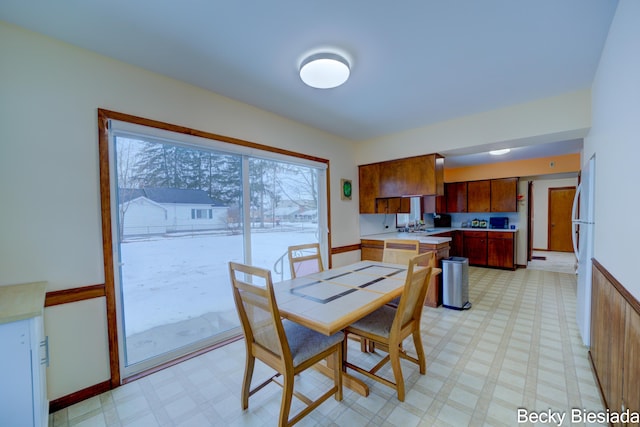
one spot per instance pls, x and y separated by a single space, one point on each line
400 251
305 259
285 346
388 327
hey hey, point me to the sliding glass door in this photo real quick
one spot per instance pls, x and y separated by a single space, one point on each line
180 213
284 201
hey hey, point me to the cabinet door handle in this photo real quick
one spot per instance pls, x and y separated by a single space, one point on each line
45 343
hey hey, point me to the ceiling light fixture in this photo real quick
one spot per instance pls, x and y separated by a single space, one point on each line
324 70
499 152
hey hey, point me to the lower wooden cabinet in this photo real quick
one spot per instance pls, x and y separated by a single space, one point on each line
372 250
456 247
500 249
490 248
475 247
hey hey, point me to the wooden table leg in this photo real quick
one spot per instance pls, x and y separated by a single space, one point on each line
348 380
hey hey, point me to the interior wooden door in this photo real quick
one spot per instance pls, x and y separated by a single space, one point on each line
560 203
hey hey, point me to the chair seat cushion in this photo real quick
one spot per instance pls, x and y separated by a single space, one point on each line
305 343
378 323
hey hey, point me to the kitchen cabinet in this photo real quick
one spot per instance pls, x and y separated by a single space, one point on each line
475 247
368 180
393 205
489 195
24 356
413 176
500 249
490 248
456 195
371 249
434 204
479 196
504 195
456 243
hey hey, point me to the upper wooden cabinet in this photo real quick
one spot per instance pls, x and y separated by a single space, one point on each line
434 204
504 195
479 196
413 176
456 196
368 183
489 195
392 205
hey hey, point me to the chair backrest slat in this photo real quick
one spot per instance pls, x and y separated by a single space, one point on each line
257 308
414 292
305 259
400 251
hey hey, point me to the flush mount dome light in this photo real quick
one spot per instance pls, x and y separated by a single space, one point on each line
499 152
324 70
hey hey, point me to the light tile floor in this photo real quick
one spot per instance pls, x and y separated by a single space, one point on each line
517 347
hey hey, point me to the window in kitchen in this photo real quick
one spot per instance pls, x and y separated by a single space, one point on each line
182 208
413 217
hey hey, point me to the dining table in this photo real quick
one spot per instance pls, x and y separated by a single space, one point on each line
330 300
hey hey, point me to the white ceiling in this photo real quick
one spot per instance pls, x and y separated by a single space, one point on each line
414 62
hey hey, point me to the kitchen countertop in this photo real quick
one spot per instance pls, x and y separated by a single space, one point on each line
428 236
444 230
422 237
24 301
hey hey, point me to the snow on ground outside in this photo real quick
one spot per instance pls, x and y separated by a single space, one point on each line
171 279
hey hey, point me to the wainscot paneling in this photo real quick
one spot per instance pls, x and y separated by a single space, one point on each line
615 342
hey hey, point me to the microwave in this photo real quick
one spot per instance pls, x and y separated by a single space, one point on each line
499 222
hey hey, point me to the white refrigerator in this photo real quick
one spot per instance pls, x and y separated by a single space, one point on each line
583 226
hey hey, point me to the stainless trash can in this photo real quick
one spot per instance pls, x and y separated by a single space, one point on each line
455 283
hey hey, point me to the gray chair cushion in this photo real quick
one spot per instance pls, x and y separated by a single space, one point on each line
305 343
379 322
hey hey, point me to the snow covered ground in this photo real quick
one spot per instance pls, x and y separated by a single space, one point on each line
171 279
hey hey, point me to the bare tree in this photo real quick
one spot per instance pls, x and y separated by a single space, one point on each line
126 159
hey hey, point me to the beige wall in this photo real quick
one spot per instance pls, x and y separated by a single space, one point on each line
567 163
50 216
548 120
615 142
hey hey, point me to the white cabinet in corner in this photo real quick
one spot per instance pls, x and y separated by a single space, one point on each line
23 362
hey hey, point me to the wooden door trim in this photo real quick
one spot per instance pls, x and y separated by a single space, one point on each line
549 191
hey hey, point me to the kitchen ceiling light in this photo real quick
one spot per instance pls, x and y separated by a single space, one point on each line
499 152
324 70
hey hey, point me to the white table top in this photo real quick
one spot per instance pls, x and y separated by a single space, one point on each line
333 299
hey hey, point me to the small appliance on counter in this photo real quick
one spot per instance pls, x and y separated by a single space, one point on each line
479 223
442 221
499 222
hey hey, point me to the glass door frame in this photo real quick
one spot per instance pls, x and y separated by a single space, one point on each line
109 211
